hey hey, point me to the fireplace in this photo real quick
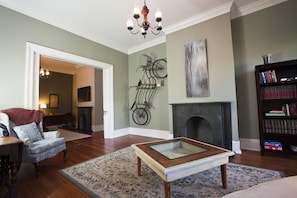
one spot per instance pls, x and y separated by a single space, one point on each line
85 119
206 122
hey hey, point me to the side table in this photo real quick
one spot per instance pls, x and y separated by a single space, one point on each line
10 160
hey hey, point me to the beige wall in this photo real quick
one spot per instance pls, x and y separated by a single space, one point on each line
89 76
98 122
85 76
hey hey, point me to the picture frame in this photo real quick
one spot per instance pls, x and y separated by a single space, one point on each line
53 101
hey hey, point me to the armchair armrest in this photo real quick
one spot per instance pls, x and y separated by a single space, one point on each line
51 134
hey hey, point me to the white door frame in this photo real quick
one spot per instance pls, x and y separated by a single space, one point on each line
32 80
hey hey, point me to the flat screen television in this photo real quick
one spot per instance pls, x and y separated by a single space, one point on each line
84 94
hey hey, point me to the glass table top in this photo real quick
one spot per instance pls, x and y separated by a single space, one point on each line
176 149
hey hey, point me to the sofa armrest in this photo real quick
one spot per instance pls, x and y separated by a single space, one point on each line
51 134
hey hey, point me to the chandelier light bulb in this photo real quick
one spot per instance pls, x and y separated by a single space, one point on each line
44 73
159 27
136 12
158 15
47 72
129 24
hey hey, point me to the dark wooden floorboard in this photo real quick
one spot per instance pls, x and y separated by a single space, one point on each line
52 184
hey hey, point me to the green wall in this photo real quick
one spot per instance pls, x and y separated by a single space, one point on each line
159 111
272 30
219 55
17 29
234 48
217 32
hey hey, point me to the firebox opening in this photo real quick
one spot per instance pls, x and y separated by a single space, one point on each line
85 119
199 129
207 122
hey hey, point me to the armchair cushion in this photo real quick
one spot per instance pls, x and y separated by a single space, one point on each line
46 145
51 134
28 131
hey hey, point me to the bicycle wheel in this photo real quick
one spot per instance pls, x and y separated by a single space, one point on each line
160 68
140 116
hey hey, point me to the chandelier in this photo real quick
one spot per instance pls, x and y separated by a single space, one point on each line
145 25
44 73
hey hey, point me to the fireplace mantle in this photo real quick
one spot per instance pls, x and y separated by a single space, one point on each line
206 122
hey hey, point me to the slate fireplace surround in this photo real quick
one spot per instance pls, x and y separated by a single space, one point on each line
206 122
85 119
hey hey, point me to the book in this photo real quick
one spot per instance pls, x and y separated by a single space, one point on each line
275 114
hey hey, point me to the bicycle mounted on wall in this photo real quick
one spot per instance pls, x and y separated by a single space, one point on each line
153 71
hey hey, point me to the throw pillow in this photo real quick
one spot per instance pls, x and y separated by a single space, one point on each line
28 131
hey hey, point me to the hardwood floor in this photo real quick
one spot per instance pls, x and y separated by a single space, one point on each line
52 184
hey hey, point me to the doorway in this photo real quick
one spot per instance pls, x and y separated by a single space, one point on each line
34 52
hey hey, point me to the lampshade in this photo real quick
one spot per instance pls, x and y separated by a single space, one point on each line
43 106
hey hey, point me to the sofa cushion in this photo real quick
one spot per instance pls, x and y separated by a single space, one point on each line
28 131
285 188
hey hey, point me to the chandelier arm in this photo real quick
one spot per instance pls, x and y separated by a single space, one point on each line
152 30
139 25
134 32
155 27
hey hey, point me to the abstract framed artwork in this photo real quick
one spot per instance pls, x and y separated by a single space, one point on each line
197 82
53 101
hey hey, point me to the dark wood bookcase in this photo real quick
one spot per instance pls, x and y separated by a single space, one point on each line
276 85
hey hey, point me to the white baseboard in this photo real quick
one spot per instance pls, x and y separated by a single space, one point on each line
144 132
250 144
96 128
151 133
121 132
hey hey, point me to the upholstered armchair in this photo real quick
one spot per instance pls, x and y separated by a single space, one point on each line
27 126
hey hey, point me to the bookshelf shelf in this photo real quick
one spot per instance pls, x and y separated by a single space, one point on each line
276 86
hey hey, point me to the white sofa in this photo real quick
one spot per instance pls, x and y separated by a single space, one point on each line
280 188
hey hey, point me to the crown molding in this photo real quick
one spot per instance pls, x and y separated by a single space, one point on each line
204 16
254 7
157 41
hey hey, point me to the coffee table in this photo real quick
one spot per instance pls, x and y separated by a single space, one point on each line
180 157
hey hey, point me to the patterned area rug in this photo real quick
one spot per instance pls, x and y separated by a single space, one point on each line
115 175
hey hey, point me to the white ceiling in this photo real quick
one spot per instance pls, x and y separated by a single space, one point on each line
104 21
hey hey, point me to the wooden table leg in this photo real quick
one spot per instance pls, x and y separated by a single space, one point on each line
139 166
167 189
13 173
224 175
